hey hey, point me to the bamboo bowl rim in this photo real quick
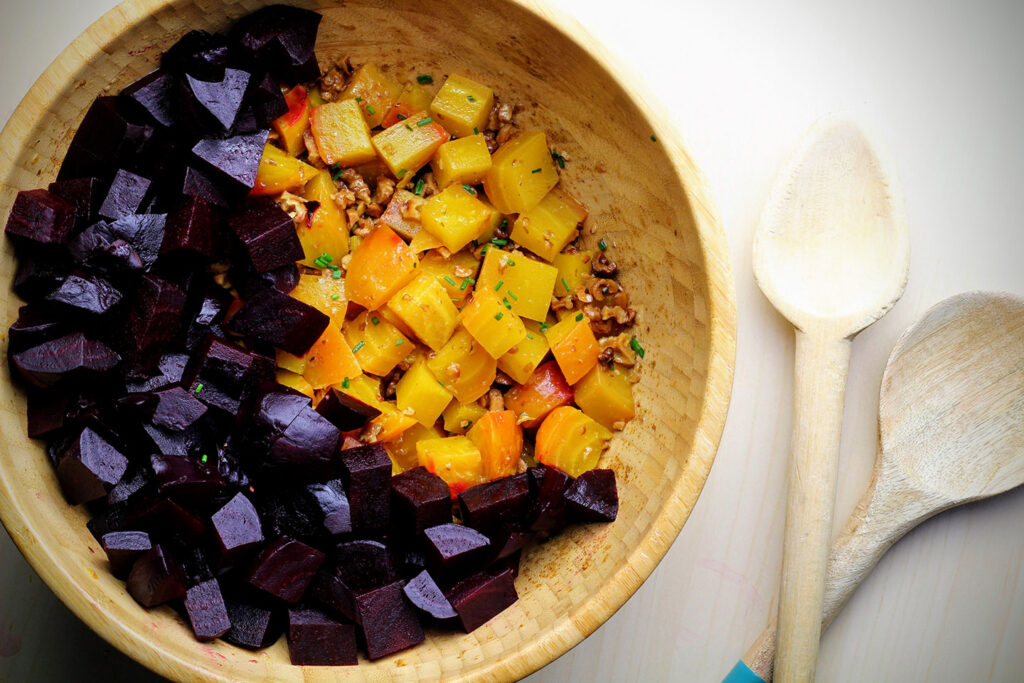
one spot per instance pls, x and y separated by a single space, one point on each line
82 597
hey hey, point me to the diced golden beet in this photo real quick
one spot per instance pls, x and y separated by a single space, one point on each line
296 382
293 123
380 266
326 228
525 282
500 441
389 425
574 346
462 105
521 173
403 449
287 361
456 217
455 459
463 366
570 441
409 145
606 395
341 134
545 390
377 344
550 225
426 308
496 220
465 160
364 388
459 417
279 172
325 293
419 394
456 273
402 214
373 90
330 360
424 241
492 323
387 314
521 360
413 98
571 269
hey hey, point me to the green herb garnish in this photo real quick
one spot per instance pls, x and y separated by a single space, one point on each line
498 316
536 170
579 317
423 122
449 280
498 286
420 184
199 387
370 110
355 349
423 79
602 245
635 345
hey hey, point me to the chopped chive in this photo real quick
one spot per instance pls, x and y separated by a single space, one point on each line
499 316
558 158
420 184
468 189
359 99
498 286
653 139
401 117
408 127
402 172
331 266
336 174
449 280
319 264
469 423
454 300
529 336
375 320
507 304
543 327
203 459
536 170
336 274
602 245
476 131
470 98
467 281
511 294
370 110
579 317
499 243
423 122
399 342
344 383
355 349
635 345
423 79
415 265
335 297
483 252
199 387
504 223
566 285
326 257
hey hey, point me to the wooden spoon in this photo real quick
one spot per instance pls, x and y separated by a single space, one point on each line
951 418
831 253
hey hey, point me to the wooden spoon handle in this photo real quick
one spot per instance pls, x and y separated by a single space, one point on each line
822 362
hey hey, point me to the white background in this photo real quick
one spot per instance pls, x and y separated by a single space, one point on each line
939 84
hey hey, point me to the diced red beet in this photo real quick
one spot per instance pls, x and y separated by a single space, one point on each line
163 517
491 505
123 548
330 499
195 183
281 320
479 598
198 54
267 233
593 497
41 216
347 413
388 620
185 478
89 467
248 282
329 588
289 511
284 568
151 322
299 442
234 160
70 356
144 232
549 512
176 409
155 578
36 324
213 105
125 194
508 542
363 564
84 193
236 528
419 499
45 412
219 375
253 626
155 95
38 275
192 227
367 472
281 38
454 548
264 101
314 639
87 293
131 483
424 593
169 370
206 611
103 140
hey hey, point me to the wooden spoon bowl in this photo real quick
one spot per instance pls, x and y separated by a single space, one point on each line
647 200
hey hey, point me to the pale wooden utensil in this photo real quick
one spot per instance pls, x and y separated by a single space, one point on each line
831 253
951 418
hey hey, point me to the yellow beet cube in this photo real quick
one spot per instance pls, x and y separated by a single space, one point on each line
403 214
521 173
408 145
521 360
462 106
606 395
419 394
492 323
574 346
377 344
457 273
373 90
326 228
550 225
287 361
325 293
403 449
425 307
341 134
496 220
571 269
455 459
459 417
524 282
465 160
296 382
330 360
455 216
424 241
463 366
279 172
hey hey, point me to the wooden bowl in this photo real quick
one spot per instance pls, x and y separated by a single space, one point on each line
645 197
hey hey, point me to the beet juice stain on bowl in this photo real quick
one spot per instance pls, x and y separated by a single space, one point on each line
273 351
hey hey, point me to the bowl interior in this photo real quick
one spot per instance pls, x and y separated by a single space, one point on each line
645 199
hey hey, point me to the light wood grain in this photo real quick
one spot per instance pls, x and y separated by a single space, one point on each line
951 416
649 201
831 253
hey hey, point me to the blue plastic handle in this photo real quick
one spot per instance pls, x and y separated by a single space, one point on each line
741 673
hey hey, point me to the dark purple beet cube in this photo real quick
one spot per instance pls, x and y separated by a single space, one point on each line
264 102
84 193
36 324
124 196
164 517
453 548
195 183
170 368
276 318
419 499
131 483
185 478
363 564
234 160
347 413
424 593
41 216
155 578
155 95
549 511
70 356
176 409
198 54
87 293
330 500
300 442
123 548
192 227
144 232
218 374
482 596
38 275
248 282
206 611
593 497
213 105
45 412
367 472
284 568
152 320
493 504
281 38
267 233
89 467
388 620
314 639
253 626
103 140
236 528
508 542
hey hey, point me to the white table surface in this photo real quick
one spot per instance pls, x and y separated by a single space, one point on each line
941 85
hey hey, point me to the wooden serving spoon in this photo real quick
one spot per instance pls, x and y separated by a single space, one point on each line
951 419
831 253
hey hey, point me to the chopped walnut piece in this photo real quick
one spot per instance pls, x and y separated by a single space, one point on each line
604 266
412 208
294 206
495 401
362 227
333 82
565 303
344 197
505 133
492 142
429 185
385 188
503 380
389 383
622 316
312 152
622 353
357 184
